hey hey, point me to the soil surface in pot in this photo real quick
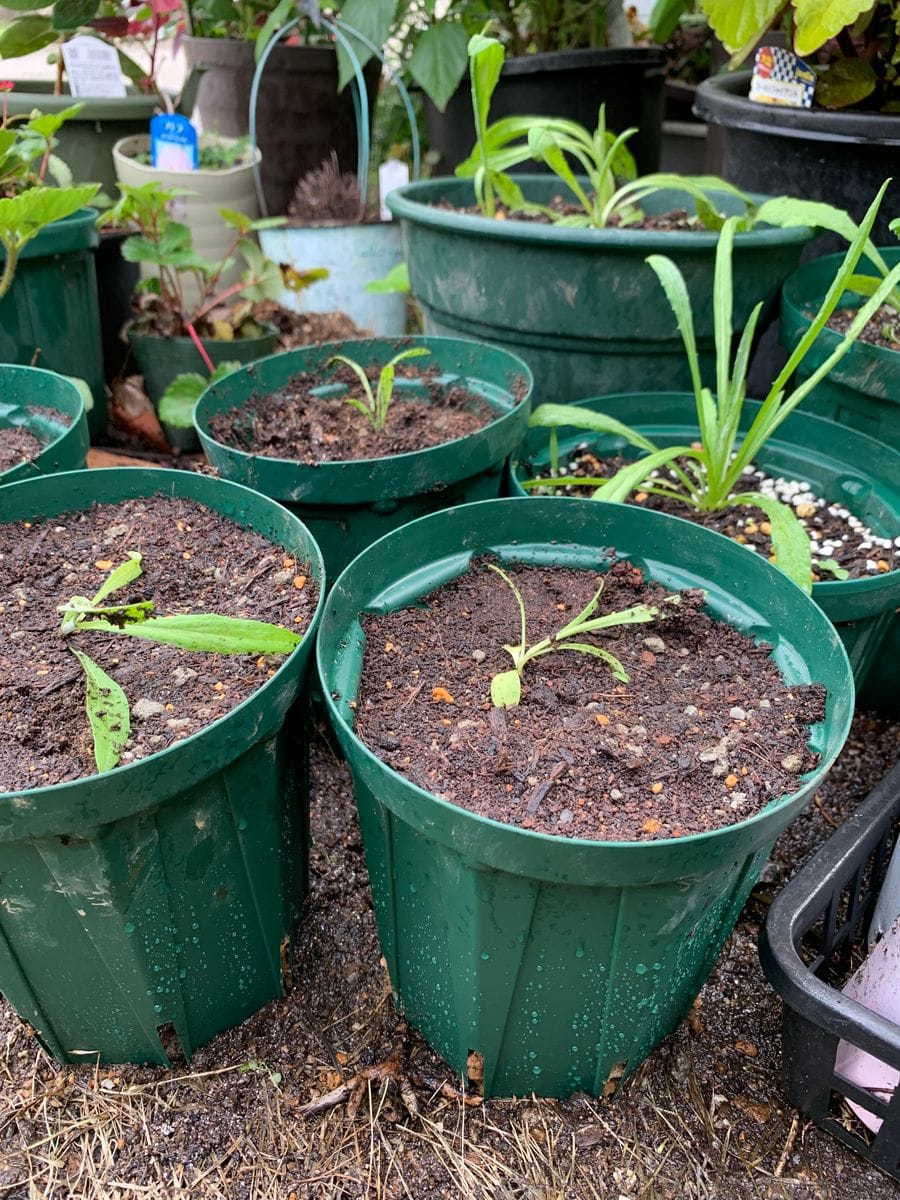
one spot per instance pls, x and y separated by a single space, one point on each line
705 733
883 330
194 560
675 219
297 423
19 445
837 536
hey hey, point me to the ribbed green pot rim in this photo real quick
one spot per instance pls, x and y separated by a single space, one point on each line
361 480
60 394
840 597
417 203
130 107
101 798
77 232
552 856
184 342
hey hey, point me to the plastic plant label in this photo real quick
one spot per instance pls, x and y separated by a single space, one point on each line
391 174
173 143
92 67
780 77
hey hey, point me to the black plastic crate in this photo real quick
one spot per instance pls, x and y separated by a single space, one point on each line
812 941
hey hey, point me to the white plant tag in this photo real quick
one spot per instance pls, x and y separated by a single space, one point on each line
391 174
92 68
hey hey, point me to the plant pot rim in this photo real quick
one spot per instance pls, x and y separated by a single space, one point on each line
868 450
269 331
319 51
78 231
722 100
133 106
413 202
77 414
584 58
136 143
107 804
555 842
339 466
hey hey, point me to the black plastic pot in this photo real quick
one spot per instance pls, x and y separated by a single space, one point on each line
840 157
813 935
301 116
571 84
116 283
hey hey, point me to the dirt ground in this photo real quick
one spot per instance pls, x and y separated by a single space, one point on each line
705 1117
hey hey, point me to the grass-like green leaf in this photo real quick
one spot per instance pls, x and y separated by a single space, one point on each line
208 632
119 578
790 541
630 477
107 711
554 416
611 661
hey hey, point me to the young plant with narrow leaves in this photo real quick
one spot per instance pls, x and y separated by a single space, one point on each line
106 704
506 686
705 476
375 405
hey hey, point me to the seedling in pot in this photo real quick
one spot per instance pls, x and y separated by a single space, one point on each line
704 476
506 686
376 405
107 705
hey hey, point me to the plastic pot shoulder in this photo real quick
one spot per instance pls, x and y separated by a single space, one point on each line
562 961
349 504
30 400
153 899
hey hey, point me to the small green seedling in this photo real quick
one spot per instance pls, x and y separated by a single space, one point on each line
506 686
705 477
106 704
376 406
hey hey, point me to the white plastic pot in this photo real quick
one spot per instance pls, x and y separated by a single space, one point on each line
353 255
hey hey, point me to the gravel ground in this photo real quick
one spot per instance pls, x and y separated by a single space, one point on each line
705 1117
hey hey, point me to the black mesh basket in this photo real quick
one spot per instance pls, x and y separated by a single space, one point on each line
813 939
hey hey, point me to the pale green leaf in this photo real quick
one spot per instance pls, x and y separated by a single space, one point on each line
107 711
438 62
119 578
26 35
790 541
396 280
210 633
553 416
630 477
506 689
611 661
740 23
817 21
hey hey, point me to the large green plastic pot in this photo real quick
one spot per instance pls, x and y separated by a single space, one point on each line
51 314
154 898
844 467
25 395
580 305
85 141
349 505
559 958
863 390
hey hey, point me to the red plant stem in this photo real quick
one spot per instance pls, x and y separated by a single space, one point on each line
192 333
217 300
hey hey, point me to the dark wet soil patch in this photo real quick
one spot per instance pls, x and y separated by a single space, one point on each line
301 423
194 560
837 536
17 446
675 220
882 330
704 734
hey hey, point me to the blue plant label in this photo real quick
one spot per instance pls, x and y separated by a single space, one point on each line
780 77
173 143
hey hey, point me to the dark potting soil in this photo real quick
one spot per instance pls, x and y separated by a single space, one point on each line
835 533
295 423
194 560
883 329
676 219
704 734
19 445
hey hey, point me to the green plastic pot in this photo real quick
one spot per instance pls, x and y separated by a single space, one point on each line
85 141
153 899
25 395
161 359
349 505
51 314
555 958
580 305
863 390
843 466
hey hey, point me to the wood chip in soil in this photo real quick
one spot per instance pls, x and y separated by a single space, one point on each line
706 733
882 330
194 560
295 423
837 536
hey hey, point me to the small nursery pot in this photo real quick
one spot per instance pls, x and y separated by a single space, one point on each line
349 504
863 390
559 959
52 308
580 305
353 255
25 394
158 894
843 466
